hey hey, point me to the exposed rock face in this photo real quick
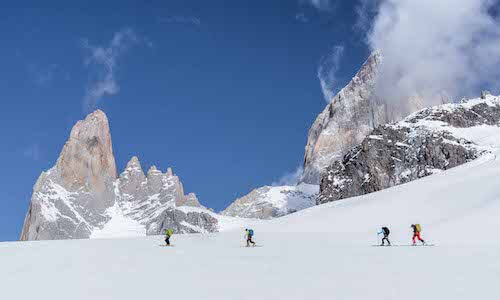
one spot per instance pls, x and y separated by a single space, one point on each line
87 158
156 200
344 122
426 142
273 201
191 200
71 198
185 221
347 119
81 193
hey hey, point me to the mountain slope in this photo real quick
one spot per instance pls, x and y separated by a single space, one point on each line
349 117
328 244
426 142
273 201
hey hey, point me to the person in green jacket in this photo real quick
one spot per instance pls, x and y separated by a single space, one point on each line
168 234
249 235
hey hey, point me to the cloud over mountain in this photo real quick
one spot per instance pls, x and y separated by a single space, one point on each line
434 48
102 63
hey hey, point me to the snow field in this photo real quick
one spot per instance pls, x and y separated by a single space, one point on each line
323 252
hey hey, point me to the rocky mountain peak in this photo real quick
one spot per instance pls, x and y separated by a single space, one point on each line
348 118
134 164
426 142
133 168
81 194
190 200
72 197
351 114
87 157
153 170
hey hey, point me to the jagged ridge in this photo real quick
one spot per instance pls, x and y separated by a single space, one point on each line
426 142
82 195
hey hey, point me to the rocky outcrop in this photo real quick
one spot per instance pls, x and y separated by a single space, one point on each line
81 193
70 199
345 121
424 143
273 201
156 200
191 200
186 221
348 118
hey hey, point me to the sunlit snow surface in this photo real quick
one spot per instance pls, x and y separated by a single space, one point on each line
324 252
119 226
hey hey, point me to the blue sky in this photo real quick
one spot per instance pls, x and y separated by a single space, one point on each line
224 92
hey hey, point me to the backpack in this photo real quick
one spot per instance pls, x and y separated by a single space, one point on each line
169 232
385 230
418 227
250 232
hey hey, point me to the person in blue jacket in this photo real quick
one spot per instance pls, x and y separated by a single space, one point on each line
249 235
386 232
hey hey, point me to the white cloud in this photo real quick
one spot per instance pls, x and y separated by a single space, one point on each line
365 11
102 62
324 5
301 17
290 178
327 72
435 47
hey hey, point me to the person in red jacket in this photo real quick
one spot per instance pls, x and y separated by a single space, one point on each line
416 234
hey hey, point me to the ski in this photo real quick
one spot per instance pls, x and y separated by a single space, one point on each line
426 245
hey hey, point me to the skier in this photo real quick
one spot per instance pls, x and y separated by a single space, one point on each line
416 234
168 234
249 235
386 232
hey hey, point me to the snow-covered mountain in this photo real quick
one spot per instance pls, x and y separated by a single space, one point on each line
348 118
273 201
82 196
427 142
330 244
344 123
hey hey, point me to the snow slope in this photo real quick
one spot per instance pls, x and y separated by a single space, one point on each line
322 252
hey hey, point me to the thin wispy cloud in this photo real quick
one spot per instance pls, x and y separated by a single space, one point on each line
366 11
189 20
434 48
327 72
301 17
32 152
102 64
323 5
290 178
